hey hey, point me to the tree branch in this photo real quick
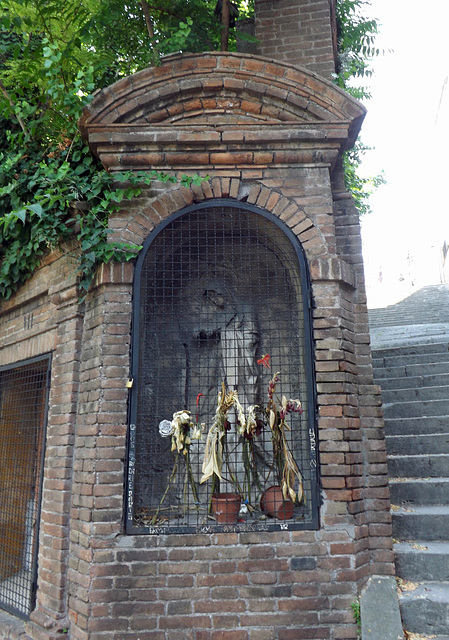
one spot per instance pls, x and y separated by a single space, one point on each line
149 23
225 15
11 102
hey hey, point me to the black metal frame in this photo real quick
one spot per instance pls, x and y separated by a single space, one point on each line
38 481
130 526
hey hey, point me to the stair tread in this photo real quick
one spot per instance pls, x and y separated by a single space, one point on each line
425 547
420 455
423 509
426 480
407 436
428 590
424 608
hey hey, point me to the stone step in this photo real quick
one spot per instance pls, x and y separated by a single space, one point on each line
422 560
427 522
418 425
416 409
419 491
410 395
417 444
413 349
409 370
419 466
425 610
415 382
409 360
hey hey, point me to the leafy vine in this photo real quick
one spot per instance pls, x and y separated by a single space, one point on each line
53 55
356 50
40 184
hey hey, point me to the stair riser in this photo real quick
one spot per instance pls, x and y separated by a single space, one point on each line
418 444
425 617
416 409
411 350
410 493
418 359
416 426
415 382
420 527
412 467
423 394
410 369
422 566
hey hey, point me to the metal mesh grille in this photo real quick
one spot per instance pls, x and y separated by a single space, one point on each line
220 288
23 408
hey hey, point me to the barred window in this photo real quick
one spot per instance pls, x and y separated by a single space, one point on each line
23 414
222 410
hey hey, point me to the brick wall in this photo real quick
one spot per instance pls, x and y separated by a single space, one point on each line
94 580
301 33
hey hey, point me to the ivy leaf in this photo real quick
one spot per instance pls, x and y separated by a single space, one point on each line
37 209
21 214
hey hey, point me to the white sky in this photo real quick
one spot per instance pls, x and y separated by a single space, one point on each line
408 124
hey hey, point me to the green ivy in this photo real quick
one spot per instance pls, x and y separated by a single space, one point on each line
39 185
38 213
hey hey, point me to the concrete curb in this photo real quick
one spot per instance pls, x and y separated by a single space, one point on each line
379 610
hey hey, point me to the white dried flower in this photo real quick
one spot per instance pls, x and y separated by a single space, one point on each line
196 433
165 428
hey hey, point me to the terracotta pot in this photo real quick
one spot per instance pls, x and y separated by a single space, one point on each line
226 507
274 504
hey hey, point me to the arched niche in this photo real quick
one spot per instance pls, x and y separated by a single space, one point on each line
218 287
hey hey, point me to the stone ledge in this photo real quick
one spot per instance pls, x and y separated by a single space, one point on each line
332 269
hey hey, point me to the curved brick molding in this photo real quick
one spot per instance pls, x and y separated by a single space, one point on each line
283 92
215 109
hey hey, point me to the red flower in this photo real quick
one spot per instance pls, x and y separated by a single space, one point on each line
265 361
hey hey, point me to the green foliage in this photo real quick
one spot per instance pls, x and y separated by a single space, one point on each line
53 55
355 606
360 188
37 213
356 50
356 45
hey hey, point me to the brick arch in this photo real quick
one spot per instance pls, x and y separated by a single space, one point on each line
151 212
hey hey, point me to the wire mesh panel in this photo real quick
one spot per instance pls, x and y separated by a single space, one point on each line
223 401
23 409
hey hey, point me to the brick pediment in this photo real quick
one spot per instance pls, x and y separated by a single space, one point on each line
193 98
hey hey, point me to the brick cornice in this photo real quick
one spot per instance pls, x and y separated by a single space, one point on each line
220 109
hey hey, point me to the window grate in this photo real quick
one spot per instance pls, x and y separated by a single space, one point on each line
23 410
221 307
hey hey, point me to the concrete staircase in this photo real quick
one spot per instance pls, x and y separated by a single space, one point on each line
410 343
